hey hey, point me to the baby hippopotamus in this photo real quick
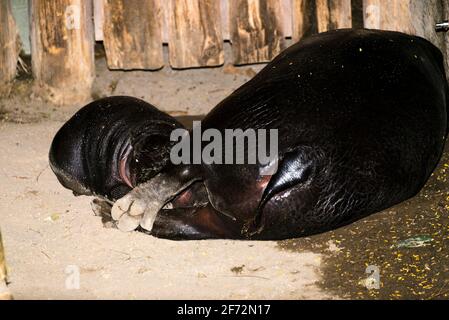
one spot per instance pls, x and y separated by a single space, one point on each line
361 117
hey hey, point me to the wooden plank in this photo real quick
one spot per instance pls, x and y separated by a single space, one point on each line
195 35
391 15
62 49
372 14
224 10
166 14
287 22
333 14
132 34
9 48
415 17
423 17
4 292
256 30
287 17
446 36
304 19
409 16
98 19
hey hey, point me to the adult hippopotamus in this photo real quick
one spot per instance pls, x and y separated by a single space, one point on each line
361 117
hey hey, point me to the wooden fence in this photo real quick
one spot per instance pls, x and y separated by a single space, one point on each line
9 50
4 292
63 33
195 30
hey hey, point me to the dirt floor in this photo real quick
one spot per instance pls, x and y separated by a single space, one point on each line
49 234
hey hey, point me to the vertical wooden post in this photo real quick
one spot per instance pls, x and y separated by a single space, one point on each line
4 292
415 17
62 49
256 30
424 15
391 15
132 34
372 14
304 22
195 36
333 14
9 49
98 12
287 15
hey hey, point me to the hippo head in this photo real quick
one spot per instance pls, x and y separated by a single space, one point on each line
102 149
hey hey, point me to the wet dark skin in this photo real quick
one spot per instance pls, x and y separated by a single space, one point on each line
111 145
414 272
362 122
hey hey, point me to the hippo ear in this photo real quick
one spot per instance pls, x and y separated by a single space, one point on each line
297 167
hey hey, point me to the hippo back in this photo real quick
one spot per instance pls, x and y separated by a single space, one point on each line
371 105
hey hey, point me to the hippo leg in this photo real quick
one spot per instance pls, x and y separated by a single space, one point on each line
194 224
174 207
297 167
142 204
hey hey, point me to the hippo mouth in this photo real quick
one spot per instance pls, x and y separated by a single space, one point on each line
70 182
123 167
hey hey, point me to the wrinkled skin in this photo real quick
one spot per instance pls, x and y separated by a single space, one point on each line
362 122
110 146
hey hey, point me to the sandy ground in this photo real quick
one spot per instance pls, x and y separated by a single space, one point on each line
49 234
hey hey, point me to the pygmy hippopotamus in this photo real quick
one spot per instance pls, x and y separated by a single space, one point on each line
361 119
